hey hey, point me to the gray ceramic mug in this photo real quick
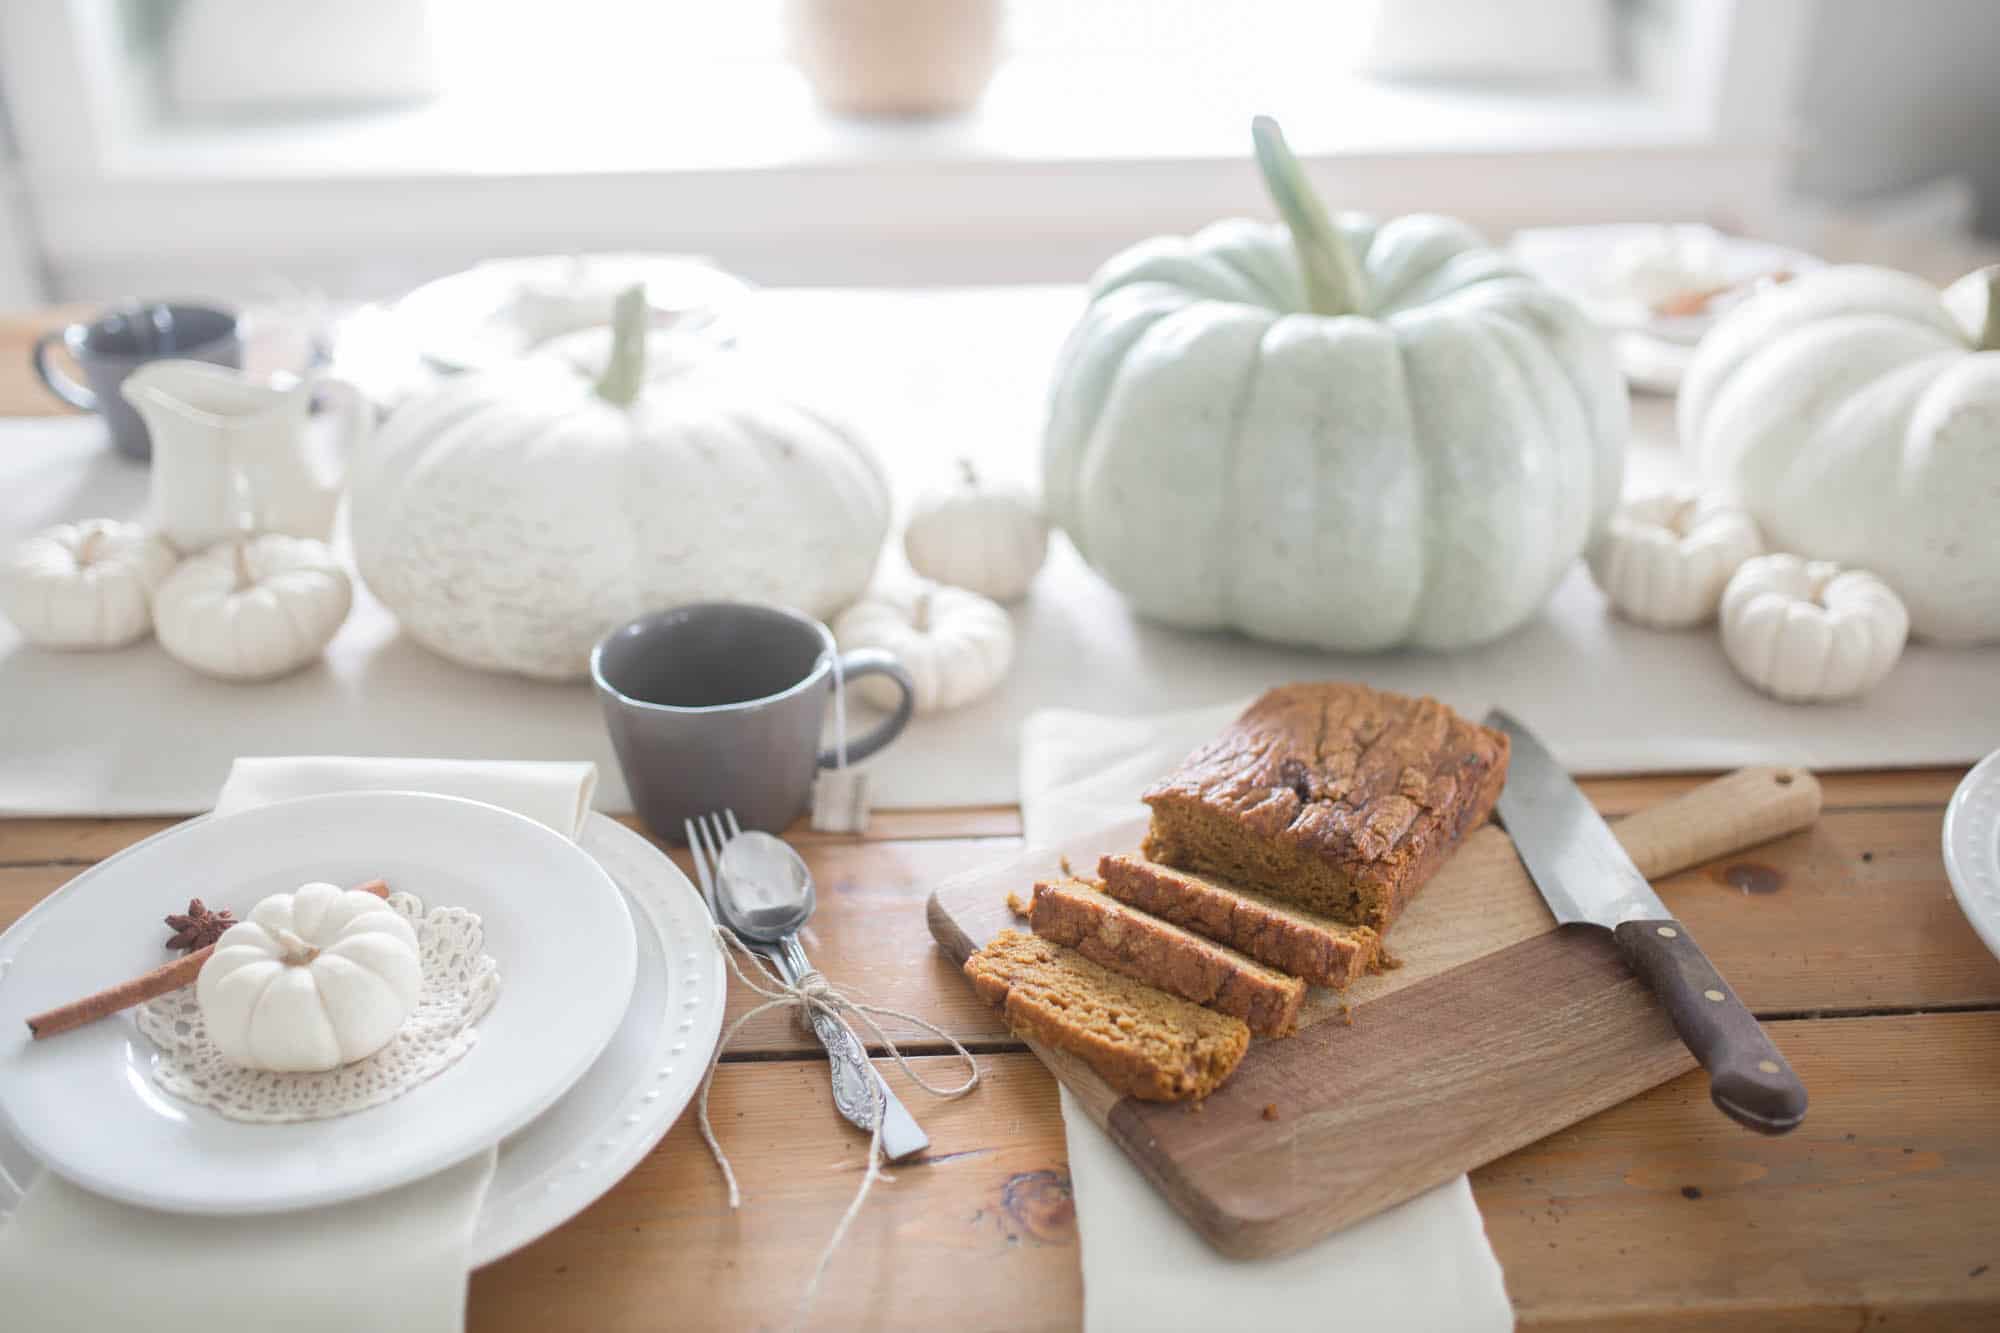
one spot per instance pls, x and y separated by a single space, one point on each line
719 706
118 342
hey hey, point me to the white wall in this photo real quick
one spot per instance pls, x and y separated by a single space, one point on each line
1895 94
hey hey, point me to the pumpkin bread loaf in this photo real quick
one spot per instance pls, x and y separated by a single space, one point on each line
1144 1042
1160 953
1313 948
1333 796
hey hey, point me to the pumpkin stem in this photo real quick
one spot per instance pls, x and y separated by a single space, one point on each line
967 473
1335 284
86 551
920 611
297 952
625 369
241 550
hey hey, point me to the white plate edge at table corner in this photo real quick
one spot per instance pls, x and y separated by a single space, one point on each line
1964 860
525 1116
496 1237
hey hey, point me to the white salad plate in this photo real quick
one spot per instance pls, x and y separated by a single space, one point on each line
504 308
85 1105
1972 848
574 1152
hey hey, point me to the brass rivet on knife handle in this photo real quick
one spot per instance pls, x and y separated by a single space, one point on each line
1748 1079
1719 818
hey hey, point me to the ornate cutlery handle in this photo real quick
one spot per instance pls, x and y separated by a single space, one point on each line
853 1076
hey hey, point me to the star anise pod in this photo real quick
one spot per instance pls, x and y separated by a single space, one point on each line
199 927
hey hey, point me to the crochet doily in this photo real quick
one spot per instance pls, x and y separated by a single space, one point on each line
460 985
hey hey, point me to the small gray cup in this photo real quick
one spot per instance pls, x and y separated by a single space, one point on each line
718 706
118 342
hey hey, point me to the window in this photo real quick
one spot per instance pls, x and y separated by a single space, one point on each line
563 124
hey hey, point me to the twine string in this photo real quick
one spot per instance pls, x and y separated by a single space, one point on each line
814 993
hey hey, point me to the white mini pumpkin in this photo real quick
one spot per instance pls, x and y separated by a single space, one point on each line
1356 436
253 608
1808 631
972 534
311 980
1666 558
955 644
1855 413
510 519
85 585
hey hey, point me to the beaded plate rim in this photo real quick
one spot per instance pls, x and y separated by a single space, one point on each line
1972 848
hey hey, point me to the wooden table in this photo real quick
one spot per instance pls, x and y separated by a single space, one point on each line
1882 1212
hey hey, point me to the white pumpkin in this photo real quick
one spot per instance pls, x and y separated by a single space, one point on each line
1361 436
1807 631
311 980
512 518
955 644
1666 558
1856 416
253 608
972 534
85 585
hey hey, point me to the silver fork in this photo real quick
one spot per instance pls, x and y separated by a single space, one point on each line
784 904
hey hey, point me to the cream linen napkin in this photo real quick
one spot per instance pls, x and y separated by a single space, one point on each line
73 1260
1424 1265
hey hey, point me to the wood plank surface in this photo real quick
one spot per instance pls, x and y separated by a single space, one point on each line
1819 1231
1882 1212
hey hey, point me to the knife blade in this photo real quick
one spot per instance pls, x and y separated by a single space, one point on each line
1587 880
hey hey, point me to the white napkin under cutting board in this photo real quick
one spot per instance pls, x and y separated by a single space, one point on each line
73 1260
1424 1265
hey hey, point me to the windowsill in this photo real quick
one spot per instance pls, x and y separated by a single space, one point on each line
1027 118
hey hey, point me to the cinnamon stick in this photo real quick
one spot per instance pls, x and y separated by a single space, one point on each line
160 981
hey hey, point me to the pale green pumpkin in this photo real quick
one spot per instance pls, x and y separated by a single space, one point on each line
1351 436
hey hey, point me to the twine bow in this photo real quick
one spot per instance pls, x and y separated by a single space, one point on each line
811 993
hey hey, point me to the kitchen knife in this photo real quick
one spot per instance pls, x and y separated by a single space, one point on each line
1587 879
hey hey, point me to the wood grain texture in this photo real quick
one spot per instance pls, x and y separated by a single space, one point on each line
978 1233
1881 1213
1738 810
1495 1031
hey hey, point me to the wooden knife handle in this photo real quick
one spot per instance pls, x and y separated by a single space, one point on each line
1718 818
1747 1077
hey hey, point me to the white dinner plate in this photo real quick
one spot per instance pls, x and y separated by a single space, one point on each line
1972 848
505 308
617 1112
84 1103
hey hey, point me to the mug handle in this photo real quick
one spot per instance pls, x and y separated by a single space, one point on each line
60 384
875 662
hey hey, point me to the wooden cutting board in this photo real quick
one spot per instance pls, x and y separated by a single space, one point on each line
1498 1030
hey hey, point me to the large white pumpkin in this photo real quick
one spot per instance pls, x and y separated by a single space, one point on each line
511 518
1353 437
1856 416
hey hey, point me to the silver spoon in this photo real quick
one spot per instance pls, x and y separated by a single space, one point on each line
764 892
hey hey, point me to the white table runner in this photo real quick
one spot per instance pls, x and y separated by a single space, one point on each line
928 375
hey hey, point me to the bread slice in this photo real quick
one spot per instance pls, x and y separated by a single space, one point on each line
1143 1042
1160 953
1291 939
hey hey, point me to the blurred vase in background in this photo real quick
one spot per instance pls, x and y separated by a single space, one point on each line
895 57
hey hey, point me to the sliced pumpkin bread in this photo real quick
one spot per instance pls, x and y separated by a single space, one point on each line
1305 944
1077 913
1144 1042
